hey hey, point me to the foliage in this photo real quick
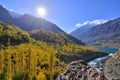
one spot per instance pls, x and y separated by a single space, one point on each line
71 52
15 34
54 38
28 59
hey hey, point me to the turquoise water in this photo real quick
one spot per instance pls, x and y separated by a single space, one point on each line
106 49
97 63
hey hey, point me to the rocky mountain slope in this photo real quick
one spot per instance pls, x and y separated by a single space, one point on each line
107 34
78 33
112 67
28 22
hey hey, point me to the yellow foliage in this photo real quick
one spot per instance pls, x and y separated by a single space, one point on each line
41 76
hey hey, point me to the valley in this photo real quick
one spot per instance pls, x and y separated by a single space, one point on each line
37 52
59 41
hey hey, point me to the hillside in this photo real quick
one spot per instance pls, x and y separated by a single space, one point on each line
53 38
59 42
15 34
107 34
78 33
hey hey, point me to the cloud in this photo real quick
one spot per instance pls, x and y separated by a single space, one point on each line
92 23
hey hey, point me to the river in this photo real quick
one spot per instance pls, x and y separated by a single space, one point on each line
98 63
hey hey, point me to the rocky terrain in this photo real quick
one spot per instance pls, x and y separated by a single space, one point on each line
112 67
78 70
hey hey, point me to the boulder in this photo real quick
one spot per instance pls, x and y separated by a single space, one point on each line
78 70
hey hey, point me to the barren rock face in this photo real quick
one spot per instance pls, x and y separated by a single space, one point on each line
112 67
77 70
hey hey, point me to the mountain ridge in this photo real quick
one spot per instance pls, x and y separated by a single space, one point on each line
106 34
28 23
27 18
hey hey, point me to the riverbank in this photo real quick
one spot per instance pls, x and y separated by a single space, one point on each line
92 59
98 63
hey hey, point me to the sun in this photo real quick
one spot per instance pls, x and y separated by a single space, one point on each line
41 11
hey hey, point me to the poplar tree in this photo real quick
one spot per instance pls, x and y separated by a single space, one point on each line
9 71
2 60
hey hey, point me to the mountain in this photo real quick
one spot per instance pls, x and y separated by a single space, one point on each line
86 26
28 23
5 16
78 33
107 34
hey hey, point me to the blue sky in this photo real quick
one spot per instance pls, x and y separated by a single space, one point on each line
67 13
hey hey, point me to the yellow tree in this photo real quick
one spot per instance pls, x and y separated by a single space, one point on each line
16 70
34 62
2 60
30 68
9 71
51 62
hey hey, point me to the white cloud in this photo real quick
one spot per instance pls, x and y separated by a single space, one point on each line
92 23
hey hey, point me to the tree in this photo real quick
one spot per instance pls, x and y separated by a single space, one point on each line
2 60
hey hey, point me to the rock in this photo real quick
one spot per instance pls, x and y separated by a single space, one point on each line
78 70
112 67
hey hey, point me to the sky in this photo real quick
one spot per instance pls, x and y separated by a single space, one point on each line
68 14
